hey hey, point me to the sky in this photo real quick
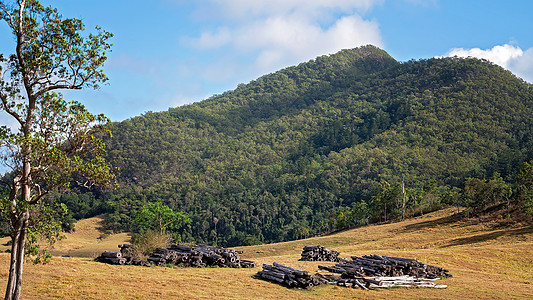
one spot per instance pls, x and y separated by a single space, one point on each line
168 53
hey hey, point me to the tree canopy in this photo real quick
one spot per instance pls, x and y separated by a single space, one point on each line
159 217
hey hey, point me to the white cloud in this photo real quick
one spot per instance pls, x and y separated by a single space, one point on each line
507 56
523 65
500 55
277 33
284 41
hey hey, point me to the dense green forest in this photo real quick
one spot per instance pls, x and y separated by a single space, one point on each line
320 146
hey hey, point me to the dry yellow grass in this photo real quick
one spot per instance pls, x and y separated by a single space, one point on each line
87 240
487 263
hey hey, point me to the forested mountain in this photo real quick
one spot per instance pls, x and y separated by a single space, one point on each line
289 154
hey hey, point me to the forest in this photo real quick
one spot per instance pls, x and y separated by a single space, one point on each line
323 146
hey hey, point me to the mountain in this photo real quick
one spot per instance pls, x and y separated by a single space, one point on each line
295 152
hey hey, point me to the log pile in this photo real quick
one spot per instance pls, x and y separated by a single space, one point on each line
199 256
366 283
319 253
182 255
374 271
289 277
121 258
386 266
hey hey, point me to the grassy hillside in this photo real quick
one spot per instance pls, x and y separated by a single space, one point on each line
486 259
87 240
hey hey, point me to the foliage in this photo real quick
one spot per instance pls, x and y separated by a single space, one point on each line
340 218
45 224
480 193
385 201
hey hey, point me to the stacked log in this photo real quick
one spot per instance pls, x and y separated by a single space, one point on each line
319 253
113 258
366 283
375 265
182 255
385 271
289 277
347 282
247 263
199 256
126 250
402 281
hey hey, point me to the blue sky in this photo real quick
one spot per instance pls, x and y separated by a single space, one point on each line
169 53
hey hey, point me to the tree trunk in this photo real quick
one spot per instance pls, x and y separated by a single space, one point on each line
12 267
19 222
403 194
20 262
14 283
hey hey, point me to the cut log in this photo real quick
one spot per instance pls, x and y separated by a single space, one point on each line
291 277
111 254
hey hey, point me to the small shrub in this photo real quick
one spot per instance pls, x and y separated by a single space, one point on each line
145 243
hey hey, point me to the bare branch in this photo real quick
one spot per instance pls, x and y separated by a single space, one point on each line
87 184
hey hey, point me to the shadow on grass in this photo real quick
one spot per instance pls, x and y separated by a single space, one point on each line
451 219
489 236
100 225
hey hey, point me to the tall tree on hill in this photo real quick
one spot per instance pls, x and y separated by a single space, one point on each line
524 186
57 142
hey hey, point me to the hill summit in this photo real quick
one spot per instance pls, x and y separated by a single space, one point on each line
319 146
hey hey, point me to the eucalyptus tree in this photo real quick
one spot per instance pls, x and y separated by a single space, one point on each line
57 143
157 216
524 187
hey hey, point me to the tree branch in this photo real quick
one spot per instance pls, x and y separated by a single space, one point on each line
85 184
10 111
40 194
7 183
57 87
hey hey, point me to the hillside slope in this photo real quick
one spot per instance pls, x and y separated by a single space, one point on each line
87 240
283 156
486 260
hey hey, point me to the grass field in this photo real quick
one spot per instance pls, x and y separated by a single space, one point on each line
488 261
